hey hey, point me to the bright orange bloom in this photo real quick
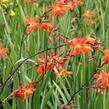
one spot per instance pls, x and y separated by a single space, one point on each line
3 51
79 45
80 49
24 91
62 72
31 23
61 7
105 52
106 58
89 14
102 80
58 9
46 25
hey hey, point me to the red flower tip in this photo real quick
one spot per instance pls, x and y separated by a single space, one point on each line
3 51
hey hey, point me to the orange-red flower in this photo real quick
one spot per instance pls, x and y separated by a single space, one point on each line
43 64
24 91
79 3
46 25
80 45
106 58
105 52
89 14
62 72
49 62
58 9
102 80
3 52
31 23
69 4
80 49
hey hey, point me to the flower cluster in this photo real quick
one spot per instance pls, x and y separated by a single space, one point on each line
24 91
81 45
32 24
60 7
102 80
54 62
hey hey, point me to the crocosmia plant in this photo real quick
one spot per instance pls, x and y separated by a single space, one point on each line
54 54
